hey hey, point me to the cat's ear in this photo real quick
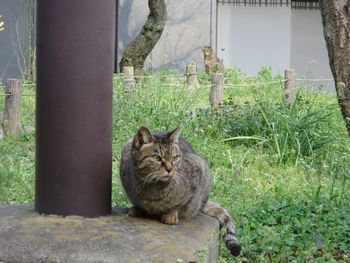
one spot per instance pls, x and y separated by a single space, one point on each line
143 136
174 135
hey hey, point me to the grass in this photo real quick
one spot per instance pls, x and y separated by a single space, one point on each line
281 172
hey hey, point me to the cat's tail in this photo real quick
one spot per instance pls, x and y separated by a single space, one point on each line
215 210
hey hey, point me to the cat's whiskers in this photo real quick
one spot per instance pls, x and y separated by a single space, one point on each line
158 178
153 176
148 179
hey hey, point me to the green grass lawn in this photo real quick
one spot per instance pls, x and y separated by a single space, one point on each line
282 172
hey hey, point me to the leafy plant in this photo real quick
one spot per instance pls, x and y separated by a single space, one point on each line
293 228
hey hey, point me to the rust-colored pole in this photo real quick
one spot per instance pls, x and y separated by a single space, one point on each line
75 63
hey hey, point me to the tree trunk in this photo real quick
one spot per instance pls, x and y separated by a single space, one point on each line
137 51
336 26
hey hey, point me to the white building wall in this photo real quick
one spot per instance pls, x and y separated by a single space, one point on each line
308 48
188 29
250 37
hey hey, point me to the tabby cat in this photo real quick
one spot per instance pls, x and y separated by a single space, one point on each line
164 178
212 63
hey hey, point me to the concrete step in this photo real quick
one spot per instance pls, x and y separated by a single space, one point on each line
26 236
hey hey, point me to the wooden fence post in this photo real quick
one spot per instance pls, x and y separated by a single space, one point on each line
191 73
129 80
217 90
289 85
12 112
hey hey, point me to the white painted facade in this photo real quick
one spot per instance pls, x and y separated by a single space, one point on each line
250 37
308 47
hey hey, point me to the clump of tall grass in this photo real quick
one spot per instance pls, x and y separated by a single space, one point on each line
290 132
296 131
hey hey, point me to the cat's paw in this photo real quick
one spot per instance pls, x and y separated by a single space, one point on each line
135 212
170 219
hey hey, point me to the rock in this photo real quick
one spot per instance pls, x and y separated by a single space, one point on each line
27 236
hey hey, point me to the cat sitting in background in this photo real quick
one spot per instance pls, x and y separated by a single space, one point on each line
212 63
164 178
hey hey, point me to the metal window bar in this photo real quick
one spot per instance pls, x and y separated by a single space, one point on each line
295 4
311 4
255 2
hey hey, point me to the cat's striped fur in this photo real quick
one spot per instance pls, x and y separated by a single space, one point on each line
164 177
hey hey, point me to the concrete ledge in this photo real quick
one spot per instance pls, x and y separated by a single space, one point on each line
27 236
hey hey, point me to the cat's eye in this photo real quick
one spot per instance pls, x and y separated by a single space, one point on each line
176 157
157 157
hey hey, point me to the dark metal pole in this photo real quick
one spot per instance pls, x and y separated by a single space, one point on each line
116 62
75 63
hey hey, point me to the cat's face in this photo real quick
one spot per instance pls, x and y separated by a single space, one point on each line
157 156
208 51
